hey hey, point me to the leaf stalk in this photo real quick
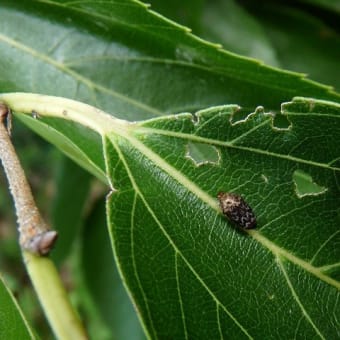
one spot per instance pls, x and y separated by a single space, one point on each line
36 239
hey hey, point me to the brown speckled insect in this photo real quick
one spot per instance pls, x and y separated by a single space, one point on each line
237 210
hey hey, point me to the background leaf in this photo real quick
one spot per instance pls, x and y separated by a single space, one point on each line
12 321
332 5
133 63
225 22
106 290
73 185
293 50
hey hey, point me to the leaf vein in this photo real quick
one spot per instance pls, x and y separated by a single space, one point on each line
323 245
180 296
134 265
219 321
298 301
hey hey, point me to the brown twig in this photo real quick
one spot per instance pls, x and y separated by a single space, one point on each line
34 234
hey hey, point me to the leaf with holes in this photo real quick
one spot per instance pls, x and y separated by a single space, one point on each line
192 273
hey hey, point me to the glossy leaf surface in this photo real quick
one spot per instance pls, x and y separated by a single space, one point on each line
130 61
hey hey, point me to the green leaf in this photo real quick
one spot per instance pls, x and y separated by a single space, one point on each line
331 5
79 142
133 63
187 13
321 49
105 286
206 278
190 271
194 275
72 188
13 324
238 31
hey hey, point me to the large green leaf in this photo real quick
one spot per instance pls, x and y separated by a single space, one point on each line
128 60
195 276
13 324
190 271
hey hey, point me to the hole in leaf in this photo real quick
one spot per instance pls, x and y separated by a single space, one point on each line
243 114
281 122
305 186
201 153
239 116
